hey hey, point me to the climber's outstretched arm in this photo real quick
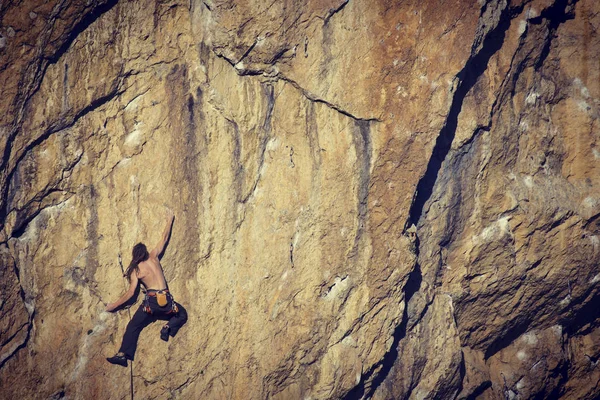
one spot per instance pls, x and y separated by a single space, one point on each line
128 295
160 247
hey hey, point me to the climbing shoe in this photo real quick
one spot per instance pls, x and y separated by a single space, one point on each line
118 359
164 333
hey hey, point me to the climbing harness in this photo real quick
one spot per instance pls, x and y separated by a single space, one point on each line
163 297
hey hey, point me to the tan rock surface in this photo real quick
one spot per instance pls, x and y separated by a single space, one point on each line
297 142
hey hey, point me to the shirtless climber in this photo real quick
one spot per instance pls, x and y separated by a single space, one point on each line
158 302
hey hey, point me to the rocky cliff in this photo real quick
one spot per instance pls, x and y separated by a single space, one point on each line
373 199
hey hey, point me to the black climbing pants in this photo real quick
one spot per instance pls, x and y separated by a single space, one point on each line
142 319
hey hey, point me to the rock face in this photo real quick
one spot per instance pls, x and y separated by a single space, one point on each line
373 199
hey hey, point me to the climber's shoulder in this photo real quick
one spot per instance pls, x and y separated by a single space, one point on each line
153 255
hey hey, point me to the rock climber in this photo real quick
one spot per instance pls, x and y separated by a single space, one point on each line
158 301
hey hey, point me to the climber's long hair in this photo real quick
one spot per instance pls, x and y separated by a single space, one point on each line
139 254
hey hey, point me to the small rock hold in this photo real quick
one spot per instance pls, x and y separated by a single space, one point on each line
2 42
305 46
32 15
10 32
412 230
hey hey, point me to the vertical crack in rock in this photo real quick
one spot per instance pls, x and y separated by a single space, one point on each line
474 67
21 101
41 65
264 141
377 374
30 310
65 99
237 169
556 14
62 125
191 145
312 133
467 77
363 148
91 235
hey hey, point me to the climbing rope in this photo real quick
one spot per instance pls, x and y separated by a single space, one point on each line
129 312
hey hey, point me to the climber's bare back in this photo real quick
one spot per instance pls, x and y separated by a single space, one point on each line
151 273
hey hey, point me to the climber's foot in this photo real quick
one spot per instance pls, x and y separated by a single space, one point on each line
164 333
118 359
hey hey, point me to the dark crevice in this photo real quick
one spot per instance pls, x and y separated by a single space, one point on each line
21 346
42 138
44 63
27 336
587 317
20 228
292 253
315 99
279 55
462 370
475 66
484 9
338 109
247 52
41 65
81 26
593 224
334 11
234 64
505 340
266 132
413 285
560 373
592 359
7 340
305 93
380 371
58 395
65 99
237 166
479 390
363 148
558 13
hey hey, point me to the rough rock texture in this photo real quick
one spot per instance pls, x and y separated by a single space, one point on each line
373 199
